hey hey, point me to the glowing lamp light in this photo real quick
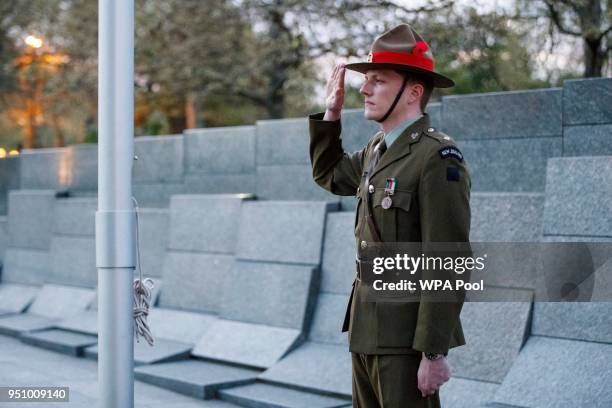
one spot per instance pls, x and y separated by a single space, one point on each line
33 41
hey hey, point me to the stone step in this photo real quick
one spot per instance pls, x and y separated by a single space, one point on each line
196 378
62 341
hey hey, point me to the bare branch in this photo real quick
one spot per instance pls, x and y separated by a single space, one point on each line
556 18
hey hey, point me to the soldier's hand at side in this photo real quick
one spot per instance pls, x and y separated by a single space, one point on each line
432 374
334 91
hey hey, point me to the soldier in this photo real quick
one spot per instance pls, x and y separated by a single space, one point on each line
412 185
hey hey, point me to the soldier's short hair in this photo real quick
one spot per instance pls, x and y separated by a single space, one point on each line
423 80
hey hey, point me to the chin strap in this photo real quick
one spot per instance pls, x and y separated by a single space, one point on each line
397 97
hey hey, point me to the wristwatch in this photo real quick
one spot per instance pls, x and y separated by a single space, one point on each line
434 356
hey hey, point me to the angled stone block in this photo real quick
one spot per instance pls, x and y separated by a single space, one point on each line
160 159
162 351
29 220
588 321
16 324
10 179
252 345
75 216
85 322
199 379
278 294
82 162
262 394
506 217
3 238
511 165
223 150
220 184
48 168
495 333
587 101
282 231
577 374
178 325
496 115
56 301
193 281
282 141
587 140
356 130
290 182
156 195
205 223
151 221
16 298
61 341
328 318
73 261
434 109
339 253
27 266
464 393
579 196
316 367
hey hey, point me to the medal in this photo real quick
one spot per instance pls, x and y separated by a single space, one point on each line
389 190
386 202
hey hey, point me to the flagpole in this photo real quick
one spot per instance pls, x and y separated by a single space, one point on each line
115 232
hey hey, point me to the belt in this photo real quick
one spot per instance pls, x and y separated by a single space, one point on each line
358 270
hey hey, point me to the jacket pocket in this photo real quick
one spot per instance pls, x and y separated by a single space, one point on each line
396 323
387 219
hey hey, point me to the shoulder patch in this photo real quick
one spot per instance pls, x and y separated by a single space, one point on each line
450 151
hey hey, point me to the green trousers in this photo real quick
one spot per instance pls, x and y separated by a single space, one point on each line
389 381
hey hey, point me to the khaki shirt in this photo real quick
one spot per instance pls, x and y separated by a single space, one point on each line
430 204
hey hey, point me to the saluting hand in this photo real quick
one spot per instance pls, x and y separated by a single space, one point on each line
334 93
432 374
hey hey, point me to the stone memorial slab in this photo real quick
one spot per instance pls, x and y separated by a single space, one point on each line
26 266
588 321
199 379
356 130
84 322
156 195
56 301
15 324
316 367
178 325
15 298
29 224
162 351
587 101
290 182
577 374
339 253
328 319
279 231
75 216
82 163
205 223
253 345
48 168
506 217
579 196
282 142
495 333
511 165
268 395
220 184
278 294
152 244
9 179
193 281
73 261
587 140
499 115
221 151
61 341
160 159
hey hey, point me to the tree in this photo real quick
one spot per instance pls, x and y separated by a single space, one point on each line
590 21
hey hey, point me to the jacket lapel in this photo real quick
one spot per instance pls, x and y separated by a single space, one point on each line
401 147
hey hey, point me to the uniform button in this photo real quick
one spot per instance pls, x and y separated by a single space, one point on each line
364 244
371 188
431 129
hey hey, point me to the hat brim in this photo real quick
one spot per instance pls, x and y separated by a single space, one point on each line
439 80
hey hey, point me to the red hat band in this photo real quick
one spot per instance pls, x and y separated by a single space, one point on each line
416 59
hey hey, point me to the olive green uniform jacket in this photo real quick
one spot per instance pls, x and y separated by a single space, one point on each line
430 204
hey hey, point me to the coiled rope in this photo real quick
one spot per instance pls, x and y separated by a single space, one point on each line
142 296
